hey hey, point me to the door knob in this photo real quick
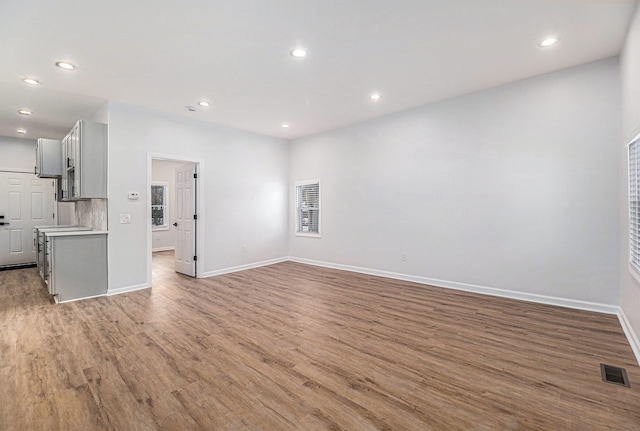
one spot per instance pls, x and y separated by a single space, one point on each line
175 224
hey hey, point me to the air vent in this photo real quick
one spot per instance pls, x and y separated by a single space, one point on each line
615 375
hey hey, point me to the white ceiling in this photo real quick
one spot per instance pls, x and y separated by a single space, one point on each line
167 54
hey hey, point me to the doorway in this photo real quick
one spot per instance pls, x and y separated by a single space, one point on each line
26 201
175 208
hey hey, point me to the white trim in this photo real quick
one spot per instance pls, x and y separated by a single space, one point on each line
166 248
632 337
245 267
77 299
126 289
523 296
17 171
165 213
296 184
201 226
633 269
634 272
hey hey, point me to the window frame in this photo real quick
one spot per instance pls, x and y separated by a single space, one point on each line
165 206
297 213
633 195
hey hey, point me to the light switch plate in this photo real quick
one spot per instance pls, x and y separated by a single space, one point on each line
125 218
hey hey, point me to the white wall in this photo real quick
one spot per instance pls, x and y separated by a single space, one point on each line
165 171
17 154
512 188
245 189
630 73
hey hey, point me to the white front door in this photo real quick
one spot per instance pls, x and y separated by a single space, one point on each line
185 219
26 201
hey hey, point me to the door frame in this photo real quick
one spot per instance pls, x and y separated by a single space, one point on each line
55 220
199 205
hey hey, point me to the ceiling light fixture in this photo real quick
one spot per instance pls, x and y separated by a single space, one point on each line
192 108
549 41
21 131
31 81
298 53
375 96
24 112
285 126
66 65
204 103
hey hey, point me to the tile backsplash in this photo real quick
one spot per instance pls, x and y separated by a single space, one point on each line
92 213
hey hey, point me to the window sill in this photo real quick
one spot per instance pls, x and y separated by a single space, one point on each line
159 228
309 234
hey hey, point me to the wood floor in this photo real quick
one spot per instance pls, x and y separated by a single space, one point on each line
295 347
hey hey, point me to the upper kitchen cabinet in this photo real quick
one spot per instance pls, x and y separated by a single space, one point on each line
48 157
84 162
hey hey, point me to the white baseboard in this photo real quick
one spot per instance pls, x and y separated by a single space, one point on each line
531 297
126 289
167 248
243 267
76 299
634 341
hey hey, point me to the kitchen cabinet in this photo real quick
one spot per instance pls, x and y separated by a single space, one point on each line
48 158
40 244
84 162
77 264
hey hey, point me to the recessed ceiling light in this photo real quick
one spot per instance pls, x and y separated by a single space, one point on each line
204 103
21 131
24 112
31 81
192 108
375 96
285 126
550 41
65 65
298 53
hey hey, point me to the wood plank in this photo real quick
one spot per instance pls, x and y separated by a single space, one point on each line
290 347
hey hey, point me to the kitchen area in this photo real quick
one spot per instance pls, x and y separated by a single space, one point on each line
71 255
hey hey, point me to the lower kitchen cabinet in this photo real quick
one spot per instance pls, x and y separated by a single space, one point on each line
78 264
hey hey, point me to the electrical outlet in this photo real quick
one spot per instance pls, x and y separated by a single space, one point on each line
125 218
403 256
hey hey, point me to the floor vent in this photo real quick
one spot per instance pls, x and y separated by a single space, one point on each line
615 375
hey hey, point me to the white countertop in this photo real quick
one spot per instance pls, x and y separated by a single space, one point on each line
76 233
62 229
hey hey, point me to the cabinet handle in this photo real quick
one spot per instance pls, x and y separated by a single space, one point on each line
68 162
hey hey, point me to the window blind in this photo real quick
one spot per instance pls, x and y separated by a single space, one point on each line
308 208
634 204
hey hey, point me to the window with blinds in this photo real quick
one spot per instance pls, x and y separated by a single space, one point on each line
634 203
308 208
159 205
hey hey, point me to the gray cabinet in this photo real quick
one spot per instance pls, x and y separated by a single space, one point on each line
48 158
40 243
77 264
84 162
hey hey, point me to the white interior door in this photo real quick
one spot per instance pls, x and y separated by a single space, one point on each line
185 219
26 201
